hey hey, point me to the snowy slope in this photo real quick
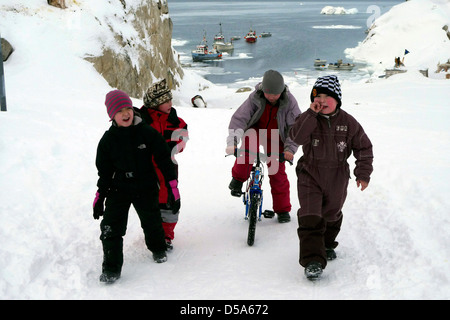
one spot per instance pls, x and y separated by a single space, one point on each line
412 25
393 244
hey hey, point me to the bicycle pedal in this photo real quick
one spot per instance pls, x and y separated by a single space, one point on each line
269 214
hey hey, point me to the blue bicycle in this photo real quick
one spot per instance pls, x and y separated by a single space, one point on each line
253 197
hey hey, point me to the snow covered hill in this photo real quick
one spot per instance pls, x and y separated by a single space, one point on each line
415 26
394 241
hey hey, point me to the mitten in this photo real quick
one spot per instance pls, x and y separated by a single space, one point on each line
98 205
174 196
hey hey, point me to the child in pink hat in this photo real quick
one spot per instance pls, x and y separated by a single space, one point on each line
127 176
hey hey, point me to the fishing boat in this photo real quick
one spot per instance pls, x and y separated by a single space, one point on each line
251 36
219 37
220 44
341 66
201 52
265 34
235 38
320 64
223 46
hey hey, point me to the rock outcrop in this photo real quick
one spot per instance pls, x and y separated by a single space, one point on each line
7 49
142 61
57 3
445 28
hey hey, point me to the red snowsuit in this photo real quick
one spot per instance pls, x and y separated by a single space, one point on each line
323 174
174 131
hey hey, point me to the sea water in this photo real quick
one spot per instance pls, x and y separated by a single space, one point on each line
300 34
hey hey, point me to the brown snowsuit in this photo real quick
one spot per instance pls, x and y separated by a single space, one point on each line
323 174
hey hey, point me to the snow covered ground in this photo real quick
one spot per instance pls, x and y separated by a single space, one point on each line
395 235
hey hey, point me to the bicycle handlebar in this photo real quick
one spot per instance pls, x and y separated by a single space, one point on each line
264 156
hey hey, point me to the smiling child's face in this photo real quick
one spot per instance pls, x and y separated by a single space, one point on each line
124 117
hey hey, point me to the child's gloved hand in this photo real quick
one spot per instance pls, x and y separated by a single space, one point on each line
98 205
174 196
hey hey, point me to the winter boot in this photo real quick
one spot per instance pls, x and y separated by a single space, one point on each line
283 217
331 254
109 277
235 187
160 257
313 270
169 245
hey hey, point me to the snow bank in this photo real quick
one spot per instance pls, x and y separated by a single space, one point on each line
394 240
413 25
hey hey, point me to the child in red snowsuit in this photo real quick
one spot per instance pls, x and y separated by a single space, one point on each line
264 119
158 112
329 136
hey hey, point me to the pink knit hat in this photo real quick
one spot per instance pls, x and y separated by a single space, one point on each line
116 100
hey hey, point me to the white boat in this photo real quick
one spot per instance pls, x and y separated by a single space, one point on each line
265 34
341 66
220 44
320 64
223 46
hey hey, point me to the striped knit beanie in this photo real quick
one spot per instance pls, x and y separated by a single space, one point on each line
157 94
115 101
328 85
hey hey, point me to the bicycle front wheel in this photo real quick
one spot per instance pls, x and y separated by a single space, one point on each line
252 216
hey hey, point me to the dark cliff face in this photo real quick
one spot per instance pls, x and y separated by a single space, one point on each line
134 61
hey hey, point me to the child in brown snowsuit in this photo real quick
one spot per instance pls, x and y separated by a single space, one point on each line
328 136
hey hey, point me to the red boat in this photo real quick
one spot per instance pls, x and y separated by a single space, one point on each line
251 36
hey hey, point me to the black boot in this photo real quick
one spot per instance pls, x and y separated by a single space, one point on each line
109 277
235 187
169 245
331 254
283 217
313 270
160 257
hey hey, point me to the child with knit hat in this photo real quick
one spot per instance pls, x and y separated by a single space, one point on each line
328 136
159 113
127 176
265 118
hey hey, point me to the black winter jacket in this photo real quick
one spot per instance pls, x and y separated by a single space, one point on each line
124 159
